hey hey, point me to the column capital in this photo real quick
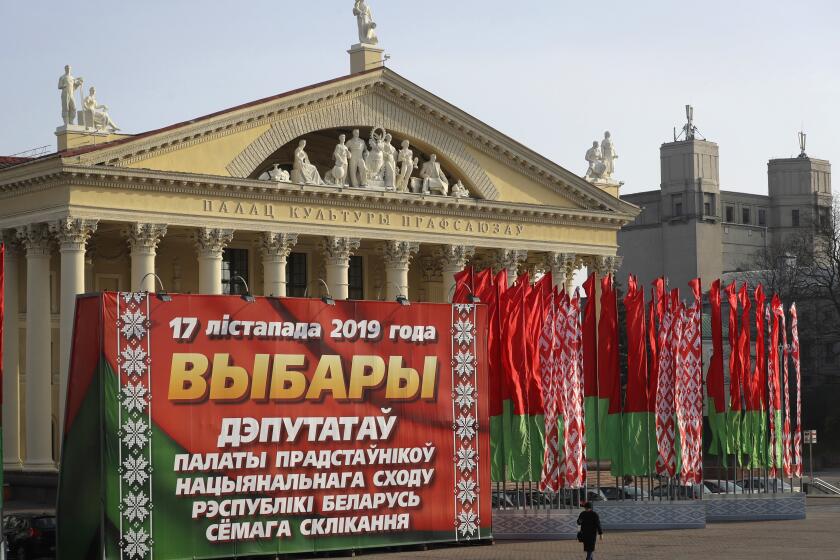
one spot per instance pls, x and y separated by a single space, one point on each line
10 239
144 238
564 263
277 244
210 242
399 253
454 257
605 265
510 258
337 250
36 239
73 233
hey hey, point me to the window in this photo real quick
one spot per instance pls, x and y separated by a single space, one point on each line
296 277
730 213
822 212
708 204
234 263
762 217
356 278
794 218
745 216
677 205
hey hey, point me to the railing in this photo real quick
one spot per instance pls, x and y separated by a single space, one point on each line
825 486
601 486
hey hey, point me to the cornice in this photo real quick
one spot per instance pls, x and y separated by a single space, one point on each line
69 176
480 135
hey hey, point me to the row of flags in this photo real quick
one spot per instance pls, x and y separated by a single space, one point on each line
557 397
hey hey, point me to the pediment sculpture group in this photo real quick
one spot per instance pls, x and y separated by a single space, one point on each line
374 164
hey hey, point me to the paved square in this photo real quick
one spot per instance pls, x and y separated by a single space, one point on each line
817 537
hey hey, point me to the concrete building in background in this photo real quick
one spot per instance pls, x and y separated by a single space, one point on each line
689 227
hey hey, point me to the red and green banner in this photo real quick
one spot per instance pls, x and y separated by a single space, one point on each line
609 375
591 401
638 424
735 416
214 427
715 385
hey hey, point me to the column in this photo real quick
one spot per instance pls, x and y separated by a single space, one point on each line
453 259
143 240
562 269
275 248
397 256
72 235
11 357
431 277
337 252
209 243
509 259
36 239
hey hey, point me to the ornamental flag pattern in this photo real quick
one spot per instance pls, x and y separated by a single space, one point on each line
669 331
690 397
794 352
465 413
786 436
772 384
575 436
135 419
549 349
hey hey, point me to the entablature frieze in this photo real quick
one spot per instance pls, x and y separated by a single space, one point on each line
136 195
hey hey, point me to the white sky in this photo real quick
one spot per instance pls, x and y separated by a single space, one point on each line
551 74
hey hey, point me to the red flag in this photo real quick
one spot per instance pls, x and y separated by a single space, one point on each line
513 343
634 304
609 381
794 352
760 375
734 357
537 307
656 311
464 285
749 389
590 340
488 292
714 377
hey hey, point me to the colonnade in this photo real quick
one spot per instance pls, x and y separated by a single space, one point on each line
34 243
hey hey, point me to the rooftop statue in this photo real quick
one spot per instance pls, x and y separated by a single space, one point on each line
596 166
68 86
96 115
364 18
358 169
608 155
408 163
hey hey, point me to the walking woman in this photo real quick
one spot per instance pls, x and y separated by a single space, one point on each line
590 527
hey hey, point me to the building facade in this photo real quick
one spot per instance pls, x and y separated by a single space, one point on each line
236 201
691 228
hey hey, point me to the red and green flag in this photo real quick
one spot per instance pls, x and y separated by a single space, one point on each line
735 416
490 294
638 423
715 386
773 388
609 375
591 401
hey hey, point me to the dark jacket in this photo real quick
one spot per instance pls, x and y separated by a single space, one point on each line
590 526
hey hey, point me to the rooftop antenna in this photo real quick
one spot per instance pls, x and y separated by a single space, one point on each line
689 131
802 138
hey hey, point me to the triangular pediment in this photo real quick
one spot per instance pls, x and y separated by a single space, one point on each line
240 142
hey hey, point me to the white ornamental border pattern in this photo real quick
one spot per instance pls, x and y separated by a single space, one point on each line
465 423
135 420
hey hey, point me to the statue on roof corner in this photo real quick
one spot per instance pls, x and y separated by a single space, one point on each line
364 18
68 86
95 115
601 159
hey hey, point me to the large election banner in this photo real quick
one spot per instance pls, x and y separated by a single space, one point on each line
215 427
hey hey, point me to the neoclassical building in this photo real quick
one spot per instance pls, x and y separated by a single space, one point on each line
234 201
